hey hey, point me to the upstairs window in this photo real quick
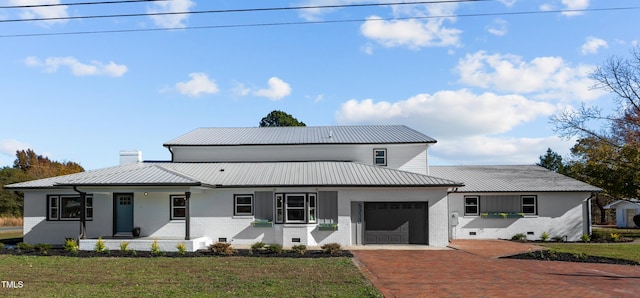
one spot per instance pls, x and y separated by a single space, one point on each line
380 157
529 205
471 205
67 207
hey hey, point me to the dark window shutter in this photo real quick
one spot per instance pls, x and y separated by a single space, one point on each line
264 205
328 207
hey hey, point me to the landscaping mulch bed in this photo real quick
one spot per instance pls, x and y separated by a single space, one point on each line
546 255
199 253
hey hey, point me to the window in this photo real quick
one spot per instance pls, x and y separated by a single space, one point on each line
529 205
243 205
380 157
471 205
178 207
67 207
296 208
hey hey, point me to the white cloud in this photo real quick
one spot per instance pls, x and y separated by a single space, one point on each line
414 33
573 5
172 20
277 90
543 77
94 68
198 85
9 147
498 27
240 90
592 45
495 150
448 113
41 12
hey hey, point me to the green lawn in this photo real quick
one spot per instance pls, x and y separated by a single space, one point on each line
10 234
624 251
185 277
628 233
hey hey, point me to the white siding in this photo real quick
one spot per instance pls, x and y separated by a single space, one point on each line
38 230
408 157
559 214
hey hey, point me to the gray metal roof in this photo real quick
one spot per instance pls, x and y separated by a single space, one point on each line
380 134
515 178
264 174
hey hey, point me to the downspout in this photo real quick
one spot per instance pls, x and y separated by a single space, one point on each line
589 230
83 213
187 217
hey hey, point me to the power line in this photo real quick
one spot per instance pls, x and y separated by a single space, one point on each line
236 10
321 22
79 3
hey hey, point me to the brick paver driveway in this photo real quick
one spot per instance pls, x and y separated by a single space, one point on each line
472 270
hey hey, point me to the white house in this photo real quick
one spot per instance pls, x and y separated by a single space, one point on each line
625 211
354 185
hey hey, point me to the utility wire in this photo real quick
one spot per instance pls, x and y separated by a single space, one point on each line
79 3
323 22
238 10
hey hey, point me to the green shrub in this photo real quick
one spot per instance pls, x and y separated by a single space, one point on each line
222 248
1 246
275 248
124 246
43 248
257 246
155 248
300 249
614 237
182 249
100 246
558 238
585 238
23 246
331 248
519 237
544 236
71 245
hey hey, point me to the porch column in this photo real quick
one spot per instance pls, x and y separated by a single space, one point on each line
83 214
187 219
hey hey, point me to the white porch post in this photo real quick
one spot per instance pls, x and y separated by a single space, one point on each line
187 219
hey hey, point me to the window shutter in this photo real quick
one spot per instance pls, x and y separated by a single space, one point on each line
263 205
328 207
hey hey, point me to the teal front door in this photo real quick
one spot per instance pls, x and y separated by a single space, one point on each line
123 216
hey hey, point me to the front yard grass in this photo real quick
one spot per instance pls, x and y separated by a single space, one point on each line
185 277
10 234
627 233
624 251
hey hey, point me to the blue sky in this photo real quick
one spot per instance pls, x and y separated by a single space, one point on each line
479 77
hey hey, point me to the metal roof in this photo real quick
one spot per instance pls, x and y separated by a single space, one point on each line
264 174
513 178
374 134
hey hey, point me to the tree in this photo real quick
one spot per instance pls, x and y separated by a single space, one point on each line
552 161
280 118
618 131
28 166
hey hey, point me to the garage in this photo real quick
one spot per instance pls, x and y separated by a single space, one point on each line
395 223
